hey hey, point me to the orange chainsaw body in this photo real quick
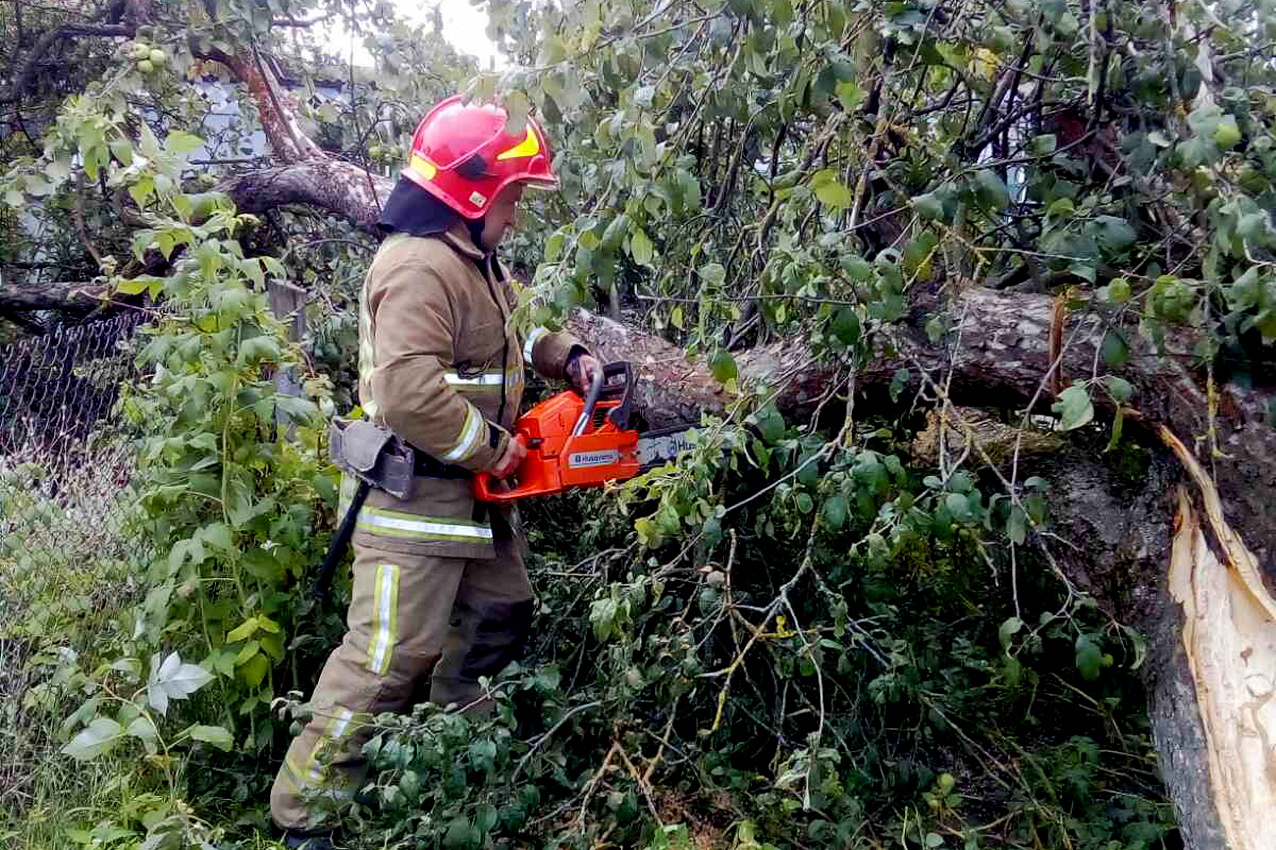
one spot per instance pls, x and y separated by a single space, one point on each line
556 460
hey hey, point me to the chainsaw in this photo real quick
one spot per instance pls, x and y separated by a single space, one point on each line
575 442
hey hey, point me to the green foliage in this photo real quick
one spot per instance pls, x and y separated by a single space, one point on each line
231 490
230 499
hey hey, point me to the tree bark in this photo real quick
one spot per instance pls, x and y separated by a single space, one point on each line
332 185
73 298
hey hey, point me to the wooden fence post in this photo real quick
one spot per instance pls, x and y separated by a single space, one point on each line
288 303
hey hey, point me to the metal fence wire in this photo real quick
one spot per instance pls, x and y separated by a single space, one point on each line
66 458
69 538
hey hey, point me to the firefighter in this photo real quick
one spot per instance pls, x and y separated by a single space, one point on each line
441 595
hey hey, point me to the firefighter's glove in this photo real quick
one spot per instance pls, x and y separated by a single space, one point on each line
507 464
582 369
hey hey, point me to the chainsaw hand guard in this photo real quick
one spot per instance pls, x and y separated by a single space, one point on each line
572 442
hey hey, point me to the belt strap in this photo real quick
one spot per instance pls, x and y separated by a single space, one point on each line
428 467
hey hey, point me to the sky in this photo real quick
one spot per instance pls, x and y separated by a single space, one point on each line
464 27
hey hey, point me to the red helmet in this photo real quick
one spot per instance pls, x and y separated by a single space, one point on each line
463 156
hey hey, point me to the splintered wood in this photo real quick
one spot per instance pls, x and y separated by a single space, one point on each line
1229 633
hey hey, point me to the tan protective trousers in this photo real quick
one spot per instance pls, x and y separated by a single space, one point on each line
412 619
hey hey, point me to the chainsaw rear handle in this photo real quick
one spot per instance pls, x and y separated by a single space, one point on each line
484 487
483 481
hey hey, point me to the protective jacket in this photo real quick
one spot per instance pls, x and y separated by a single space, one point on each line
441 366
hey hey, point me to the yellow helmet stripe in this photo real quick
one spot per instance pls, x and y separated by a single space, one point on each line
422 166
528 147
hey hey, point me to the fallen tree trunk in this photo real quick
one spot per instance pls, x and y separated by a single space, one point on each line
1203 599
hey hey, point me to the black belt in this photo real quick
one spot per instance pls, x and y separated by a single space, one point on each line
430 468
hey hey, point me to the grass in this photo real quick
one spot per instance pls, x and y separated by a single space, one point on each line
65 580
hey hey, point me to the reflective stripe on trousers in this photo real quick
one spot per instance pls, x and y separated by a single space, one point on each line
410 616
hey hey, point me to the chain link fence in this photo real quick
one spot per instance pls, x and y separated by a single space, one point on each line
66 460
67 464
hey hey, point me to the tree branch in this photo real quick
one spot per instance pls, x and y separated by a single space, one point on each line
30 69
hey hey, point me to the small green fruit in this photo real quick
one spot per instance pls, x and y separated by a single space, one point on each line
946 782
145 66
139 51
1119 290
158 57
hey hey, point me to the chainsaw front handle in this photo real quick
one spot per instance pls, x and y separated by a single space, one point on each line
591 401
485 486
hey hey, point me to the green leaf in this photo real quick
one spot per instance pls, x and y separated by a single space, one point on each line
243 631
1044 145
248 652
1120 389
180 143
713 274
850 94
835 510
1017 525
461 835
846 326
1074 407
602 615
1118 422
1089 657
299 410
723 366
616 231
929 206
1113 233
1009 628
990 190
958 505
834 194
215 735
256 349
1118 291
640 247
1115 350
899 383
134 286
142 728
255 670
1227 133
218 534
486 817
103 733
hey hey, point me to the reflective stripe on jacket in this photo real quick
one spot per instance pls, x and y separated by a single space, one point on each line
440 366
